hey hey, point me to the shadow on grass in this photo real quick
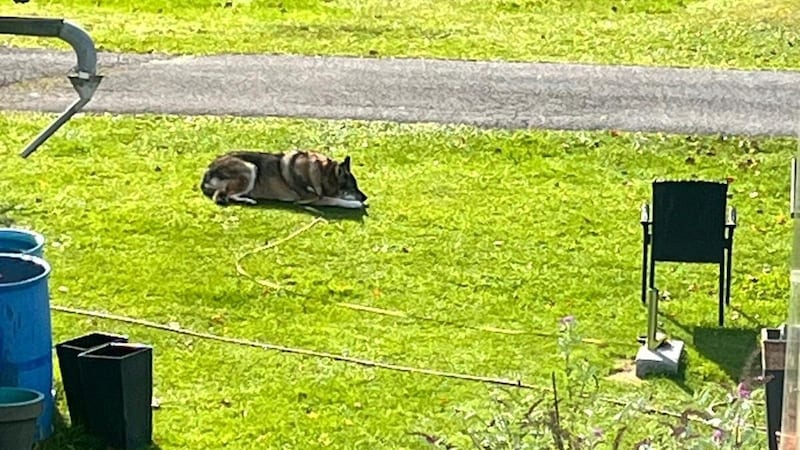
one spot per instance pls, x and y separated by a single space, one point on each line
329 213
734 350
66 437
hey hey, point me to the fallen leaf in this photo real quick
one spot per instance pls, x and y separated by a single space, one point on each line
325 440
753 194
218 318
63 289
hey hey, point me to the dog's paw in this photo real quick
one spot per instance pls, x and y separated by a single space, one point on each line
353 204
243 199
246 200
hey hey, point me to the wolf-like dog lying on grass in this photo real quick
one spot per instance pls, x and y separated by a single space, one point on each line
301 177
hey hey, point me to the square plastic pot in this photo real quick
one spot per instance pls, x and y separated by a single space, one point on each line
118 391
68 352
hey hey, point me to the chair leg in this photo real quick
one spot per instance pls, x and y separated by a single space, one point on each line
729 264
644 273
652 283
722 293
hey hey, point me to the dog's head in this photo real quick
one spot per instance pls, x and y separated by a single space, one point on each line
212 181
209 183
347 184
219 174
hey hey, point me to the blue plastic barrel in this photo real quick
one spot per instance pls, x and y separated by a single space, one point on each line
26 358
15 240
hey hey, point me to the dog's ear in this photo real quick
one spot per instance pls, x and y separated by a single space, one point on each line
346 164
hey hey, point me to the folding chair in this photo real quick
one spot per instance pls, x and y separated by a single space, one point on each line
689 224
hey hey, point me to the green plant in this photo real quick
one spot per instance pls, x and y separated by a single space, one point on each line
714 419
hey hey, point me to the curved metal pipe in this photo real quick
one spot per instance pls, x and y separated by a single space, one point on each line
73 34
84 48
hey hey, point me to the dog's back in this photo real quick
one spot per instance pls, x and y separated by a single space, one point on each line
309 172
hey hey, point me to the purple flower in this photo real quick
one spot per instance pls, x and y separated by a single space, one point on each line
597 432
568 320
743 391
717 436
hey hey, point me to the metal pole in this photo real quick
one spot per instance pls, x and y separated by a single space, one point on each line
652 319
85 79
794 207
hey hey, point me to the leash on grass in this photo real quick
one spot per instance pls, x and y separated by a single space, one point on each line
347 359
293 350
269 245
370 309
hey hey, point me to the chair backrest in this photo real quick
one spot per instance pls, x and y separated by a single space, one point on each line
689 221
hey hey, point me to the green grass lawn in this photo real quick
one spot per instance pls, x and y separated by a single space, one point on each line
721 33
472 227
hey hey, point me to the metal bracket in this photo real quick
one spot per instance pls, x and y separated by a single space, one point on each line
84 78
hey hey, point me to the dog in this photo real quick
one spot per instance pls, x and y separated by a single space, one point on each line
298 176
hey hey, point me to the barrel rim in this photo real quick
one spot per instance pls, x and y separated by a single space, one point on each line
38 237
38 397
26 257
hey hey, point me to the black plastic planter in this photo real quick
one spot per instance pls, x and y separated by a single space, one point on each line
118 393
19 409
68 352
